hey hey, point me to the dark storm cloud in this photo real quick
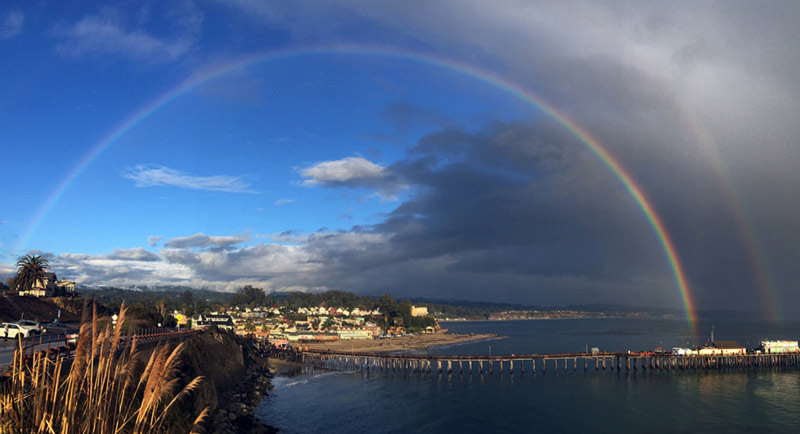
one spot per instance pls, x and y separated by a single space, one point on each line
521 203
518 197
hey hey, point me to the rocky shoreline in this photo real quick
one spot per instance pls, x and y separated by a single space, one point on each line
238 414
235 412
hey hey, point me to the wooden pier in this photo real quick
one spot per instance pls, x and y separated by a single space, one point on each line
531 363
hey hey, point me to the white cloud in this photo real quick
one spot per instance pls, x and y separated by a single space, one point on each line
100 36
203 240
339 171
284 201
12 25
152 240
353 172
151 176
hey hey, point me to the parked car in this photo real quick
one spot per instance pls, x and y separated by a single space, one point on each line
72 336
33 327
10 330
55 327
24 327
28 324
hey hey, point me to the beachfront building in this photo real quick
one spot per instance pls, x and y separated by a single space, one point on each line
419 311
354 334
779 347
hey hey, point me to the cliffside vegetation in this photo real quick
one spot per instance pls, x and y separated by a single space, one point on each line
105 389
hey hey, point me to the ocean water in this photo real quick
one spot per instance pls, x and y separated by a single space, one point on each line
736 401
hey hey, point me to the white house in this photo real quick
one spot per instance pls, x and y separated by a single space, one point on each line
49 285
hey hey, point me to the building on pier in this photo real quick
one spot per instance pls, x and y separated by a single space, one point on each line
281 343
717 348
779 347
722 348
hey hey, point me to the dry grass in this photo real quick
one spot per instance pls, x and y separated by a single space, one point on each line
105 390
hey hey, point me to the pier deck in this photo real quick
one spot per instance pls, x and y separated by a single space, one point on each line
563 362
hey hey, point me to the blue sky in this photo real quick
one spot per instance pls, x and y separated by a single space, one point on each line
361 170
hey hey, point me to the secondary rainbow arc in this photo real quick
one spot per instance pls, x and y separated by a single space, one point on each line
633 189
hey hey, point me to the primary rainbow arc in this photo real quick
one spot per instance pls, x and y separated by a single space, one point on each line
633 189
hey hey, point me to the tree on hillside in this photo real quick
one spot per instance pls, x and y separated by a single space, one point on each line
30 271
403 311
187 303
249 296
162 310
186 298
387 306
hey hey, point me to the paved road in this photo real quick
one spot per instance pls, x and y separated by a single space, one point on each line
8 346
49 340
6 352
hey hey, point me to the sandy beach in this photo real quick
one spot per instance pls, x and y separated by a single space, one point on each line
396 344
283 367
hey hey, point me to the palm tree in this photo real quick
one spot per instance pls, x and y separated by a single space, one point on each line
30 271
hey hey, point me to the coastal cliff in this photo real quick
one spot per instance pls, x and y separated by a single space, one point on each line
236 379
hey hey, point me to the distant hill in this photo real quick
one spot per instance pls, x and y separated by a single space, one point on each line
141 293
441 307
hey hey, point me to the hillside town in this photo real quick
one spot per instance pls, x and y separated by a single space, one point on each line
282 327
